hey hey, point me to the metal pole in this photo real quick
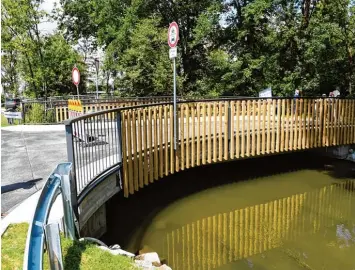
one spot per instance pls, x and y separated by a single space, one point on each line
67 207
53 246
175 109
77 90
97 87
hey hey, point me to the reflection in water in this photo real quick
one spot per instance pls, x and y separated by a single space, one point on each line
221 239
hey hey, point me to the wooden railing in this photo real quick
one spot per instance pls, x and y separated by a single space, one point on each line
216 131
223 238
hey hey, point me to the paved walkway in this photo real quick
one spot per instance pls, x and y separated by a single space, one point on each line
29 153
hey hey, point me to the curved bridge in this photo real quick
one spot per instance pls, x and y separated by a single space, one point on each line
136 143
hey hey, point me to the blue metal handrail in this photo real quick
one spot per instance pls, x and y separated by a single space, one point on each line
35 238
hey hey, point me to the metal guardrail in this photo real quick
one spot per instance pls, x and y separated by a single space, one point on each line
39 231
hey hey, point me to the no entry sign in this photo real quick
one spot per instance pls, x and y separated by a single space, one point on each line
76 76
173 34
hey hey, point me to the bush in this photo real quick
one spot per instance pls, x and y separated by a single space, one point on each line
35 113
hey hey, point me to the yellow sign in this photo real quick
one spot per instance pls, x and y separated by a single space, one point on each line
75 105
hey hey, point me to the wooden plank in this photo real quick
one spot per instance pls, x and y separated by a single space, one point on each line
296 128
129 153
204 133
155 143
215 134
150 142
263 135
325 124
140 148
232 139
134 151
166 141
145 141
209 131
187 116
226 104
268 126
320 142
291 124
308 136
273 144
243 130
193 139
182 136
220 113
177 152
337 128
258 129
352 132
304 122
124 154
313 106
237 136
161 143
198 154
248 129
253 132
172 151
282 126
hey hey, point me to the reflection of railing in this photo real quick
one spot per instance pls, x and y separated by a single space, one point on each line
227 237
39 231
210 131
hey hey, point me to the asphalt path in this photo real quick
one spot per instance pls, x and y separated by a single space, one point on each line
28 156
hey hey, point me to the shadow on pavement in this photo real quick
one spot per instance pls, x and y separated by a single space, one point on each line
22 185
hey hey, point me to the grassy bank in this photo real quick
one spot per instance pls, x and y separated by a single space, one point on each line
76 255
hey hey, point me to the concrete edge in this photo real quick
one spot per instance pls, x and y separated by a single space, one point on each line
24 212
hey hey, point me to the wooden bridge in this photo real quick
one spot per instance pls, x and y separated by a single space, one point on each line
136 142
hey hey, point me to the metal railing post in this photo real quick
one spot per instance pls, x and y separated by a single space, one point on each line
71 158
69 227
119 137
119 147
53 246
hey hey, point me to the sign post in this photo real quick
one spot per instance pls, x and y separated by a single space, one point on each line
76 78
173 38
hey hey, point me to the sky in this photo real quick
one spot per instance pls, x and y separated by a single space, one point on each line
48 27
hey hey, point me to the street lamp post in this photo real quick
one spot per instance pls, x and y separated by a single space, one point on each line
97 75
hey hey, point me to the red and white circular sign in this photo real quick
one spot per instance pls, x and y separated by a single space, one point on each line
173 34
75 76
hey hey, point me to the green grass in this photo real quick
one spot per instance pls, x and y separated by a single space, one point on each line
76 255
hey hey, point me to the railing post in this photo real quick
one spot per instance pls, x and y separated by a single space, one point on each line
71 158
119 146
119 137
53 246
69 227
23 112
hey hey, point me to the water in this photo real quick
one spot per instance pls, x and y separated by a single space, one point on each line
301 218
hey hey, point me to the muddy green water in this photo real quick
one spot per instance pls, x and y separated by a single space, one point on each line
302 219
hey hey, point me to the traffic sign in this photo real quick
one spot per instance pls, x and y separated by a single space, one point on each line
173 34
76 76
172 53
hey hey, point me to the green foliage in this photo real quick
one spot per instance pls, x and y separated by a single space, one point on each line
225 48
42 62
36 113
